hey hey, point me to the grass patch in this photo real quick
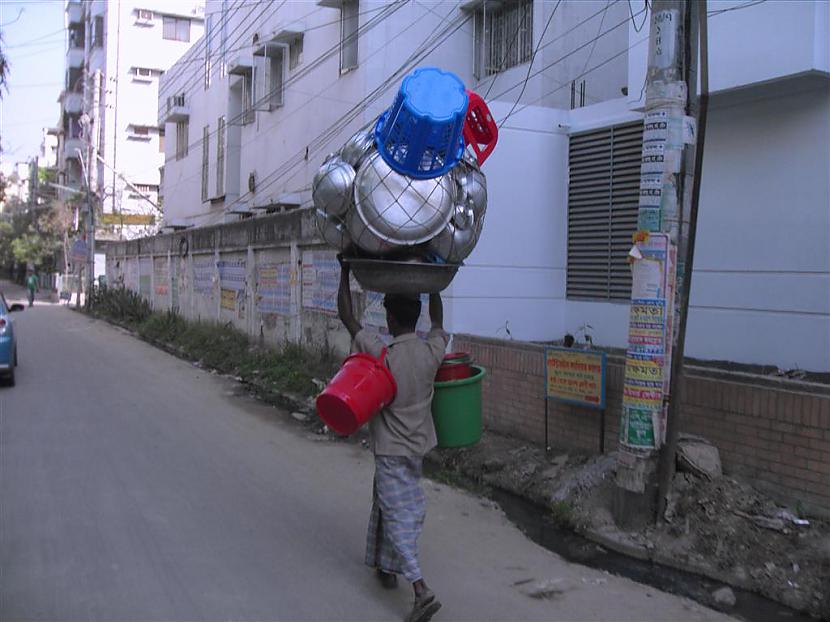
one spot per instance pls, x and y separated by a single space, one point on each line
288 368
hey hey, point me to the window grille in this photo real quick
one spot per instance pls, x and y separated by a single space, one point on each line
220 157
349 23
503 36
182 131
205 161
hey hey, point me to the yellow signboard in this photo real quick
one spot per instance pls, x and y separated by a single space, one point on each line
127 219
576 376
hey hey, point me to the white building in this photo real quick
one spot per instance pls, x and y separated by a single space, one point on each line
116 52
253 108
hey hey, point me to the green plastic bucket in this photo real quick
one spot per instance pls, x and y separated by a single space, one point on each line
456 410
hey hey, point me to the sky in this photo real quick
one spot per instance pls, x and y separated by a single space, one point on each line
35 48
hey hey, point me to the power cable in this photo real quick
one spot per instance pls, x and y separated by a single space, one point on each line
645 17
599 30
392 8
425 48
284 118
333 130
533 56
746 5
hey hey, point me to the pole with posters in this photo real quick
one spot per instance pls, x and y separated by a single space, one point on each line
659 257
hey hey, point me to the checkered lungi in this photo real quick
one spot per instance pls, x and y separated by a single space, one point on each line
398 511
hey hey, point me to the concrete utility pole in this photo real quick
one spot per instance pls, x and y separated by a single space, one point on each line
661 262
90 233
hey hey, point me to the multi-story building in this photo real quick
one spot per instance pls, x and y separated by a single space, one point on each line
116 52
253 108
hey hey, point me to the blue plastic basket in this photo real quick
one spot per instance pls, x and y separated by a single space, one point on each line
421 134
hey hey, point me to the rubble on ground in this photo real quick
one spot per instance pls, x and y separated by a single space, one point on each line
714 525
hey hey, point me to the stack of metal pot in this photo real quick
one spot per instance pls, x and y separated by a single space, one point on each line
407 188
364 206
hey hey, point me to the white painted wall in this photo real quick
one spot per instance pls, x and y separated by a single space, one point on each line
762 296
129 102
277 139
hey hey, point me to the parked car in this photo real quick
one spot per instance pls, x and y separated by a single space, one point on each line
8 343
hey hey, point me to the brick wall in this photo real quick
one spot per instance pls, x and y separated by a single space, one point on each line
775 431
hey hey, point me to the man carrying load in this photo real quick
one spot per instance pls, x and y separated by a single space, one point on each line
401 434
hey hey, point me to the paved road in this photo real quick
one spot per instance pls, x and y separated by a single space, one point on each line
134 486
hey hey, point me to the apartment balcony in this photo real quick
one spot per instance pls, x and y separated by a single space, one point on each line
75 57
71 147
74 12
73 103
175 109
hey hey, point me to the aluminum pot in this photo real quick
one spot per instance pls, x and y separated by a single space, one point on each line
454 244
364 237
333 231
331 189
400 210
472 185
357 148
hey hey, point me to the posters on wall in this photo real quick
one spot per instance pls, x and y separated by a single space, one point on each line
145 276
203 268
649 343
161 277
232 284
273 288
320 280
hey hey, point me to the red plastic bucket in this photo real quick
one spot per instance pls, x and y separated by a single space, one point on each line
362 387
456 366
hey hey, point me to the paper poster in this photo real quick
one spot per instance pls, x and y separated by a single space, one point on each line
637 429
203 274
320 280
576 376
161 277
273 288
232 274
145 270
646 326
227 299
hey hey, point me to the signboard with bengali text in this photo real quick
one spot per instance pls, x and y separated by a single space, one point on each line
576 376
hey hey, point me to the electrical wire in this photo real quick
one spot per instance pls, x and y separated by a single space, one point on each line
284 117
328 135
391 9
599 30
533 57
200 59
633 21
425 48
746 5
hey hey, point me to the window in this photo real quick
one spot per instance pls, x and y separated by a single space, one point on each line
176 28
295 53
223 44
220 157
76 37
161 140
348 35
269 62
205 161
603 199
74 81
182 131
503 36
138 132
98 32
247 99
146 188
207 61
143 74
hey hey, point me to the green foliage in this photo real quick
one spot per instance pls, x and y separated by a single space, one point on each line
219 346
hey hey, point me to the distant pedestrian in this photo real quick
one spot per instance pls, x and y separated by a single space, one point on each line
33 285
401 434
